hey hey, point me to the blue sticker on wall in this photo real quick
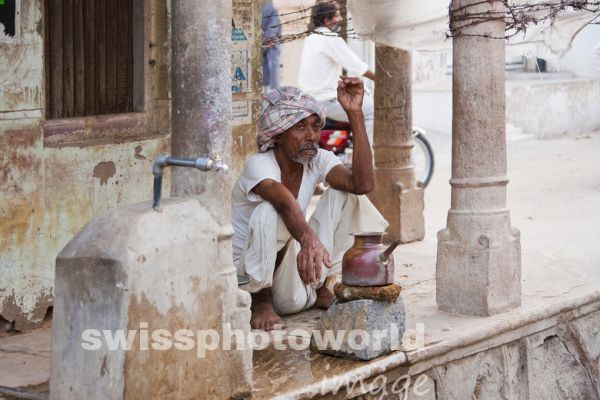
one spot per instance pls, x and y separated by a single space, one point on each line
238 35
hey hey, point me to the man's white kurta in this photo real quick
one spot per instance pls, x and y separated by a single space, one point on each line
263 166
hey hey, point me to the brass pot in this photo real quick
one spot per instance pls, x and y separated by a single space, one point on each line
368 262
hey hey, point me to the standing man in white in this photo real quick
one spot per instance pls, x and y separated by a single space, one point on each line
325 54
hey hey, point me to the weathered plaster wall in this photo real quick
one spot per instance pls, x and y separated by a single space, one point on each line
21 67
24 279
545 107
551 108
246 100
57 175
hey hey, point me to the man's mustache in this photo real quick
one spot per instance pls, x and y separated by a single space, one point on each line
308 146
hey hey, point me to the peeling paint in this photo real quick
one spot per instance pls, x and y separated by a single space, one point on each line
21 64
13 310
47 192
104 170
138 153
43 218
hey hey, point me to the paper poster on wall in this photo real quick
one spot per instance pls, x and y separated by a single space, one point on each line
242 33
240 111
240 68
242 29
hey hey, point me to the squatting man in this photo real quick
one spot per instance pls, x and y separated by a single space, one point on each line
287 258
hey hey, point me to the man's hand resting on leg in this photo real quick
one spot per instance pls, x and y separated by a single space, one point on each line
311 258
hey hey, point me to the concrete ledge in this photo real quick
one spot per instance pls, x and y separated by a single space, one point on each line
513 326
553 107
548 107
98 130
332 377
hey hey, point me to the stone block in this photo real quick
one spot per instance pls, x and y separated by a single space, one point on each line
135 271
412 219
360 329
401 207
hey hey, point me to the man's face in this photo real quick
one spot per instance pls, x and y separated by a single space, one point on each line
300 143
334 24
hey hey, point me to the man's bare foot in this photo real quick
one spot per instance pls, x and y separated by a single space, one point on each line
263 315
325 298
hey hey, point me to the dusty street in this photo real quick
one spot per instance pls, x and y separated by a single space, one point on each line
553 197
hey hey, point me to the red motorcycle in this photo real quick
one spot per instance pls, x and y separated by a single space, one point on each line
336 136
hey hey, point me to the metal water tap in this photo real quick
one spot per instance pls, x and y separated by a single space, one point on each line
202 163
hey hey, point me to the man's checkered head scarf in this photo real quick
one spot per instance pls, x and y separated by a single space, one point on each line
281 109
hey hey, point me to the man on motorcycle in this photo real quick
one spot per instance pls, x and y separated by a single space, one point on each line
286 258
324 55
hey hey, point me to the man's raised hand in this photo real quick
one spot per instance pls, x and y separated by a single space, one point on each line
350 92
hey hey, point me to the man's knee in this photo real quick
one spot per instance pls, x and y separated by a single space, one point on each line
336 198
263 211
265 216
291 302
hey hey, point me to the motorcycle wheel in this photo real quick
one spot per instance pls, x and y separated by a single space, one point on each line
422 157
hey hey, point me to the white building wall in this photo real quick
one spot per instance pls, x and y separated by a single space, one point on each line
579 59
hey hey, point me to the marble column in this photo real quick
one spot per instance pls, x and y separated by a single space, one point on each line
396 193
478 268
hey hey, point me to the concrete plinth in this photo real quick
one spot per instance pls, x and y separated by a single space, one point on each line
479 254
163 278
364 329
480 279
396 194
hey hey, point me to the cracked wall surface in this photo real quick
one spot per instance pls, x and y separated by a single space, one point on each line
56 175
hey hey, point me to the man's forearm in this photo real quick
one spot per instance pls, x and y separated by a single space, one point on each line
295 222
312 255
287 207
362 155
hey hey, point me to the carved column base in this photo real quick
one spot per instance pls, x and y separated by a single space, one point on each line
478 274
402 208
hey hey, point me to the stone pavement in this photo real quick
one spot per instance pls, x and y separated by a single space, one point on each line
25 360
553 196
